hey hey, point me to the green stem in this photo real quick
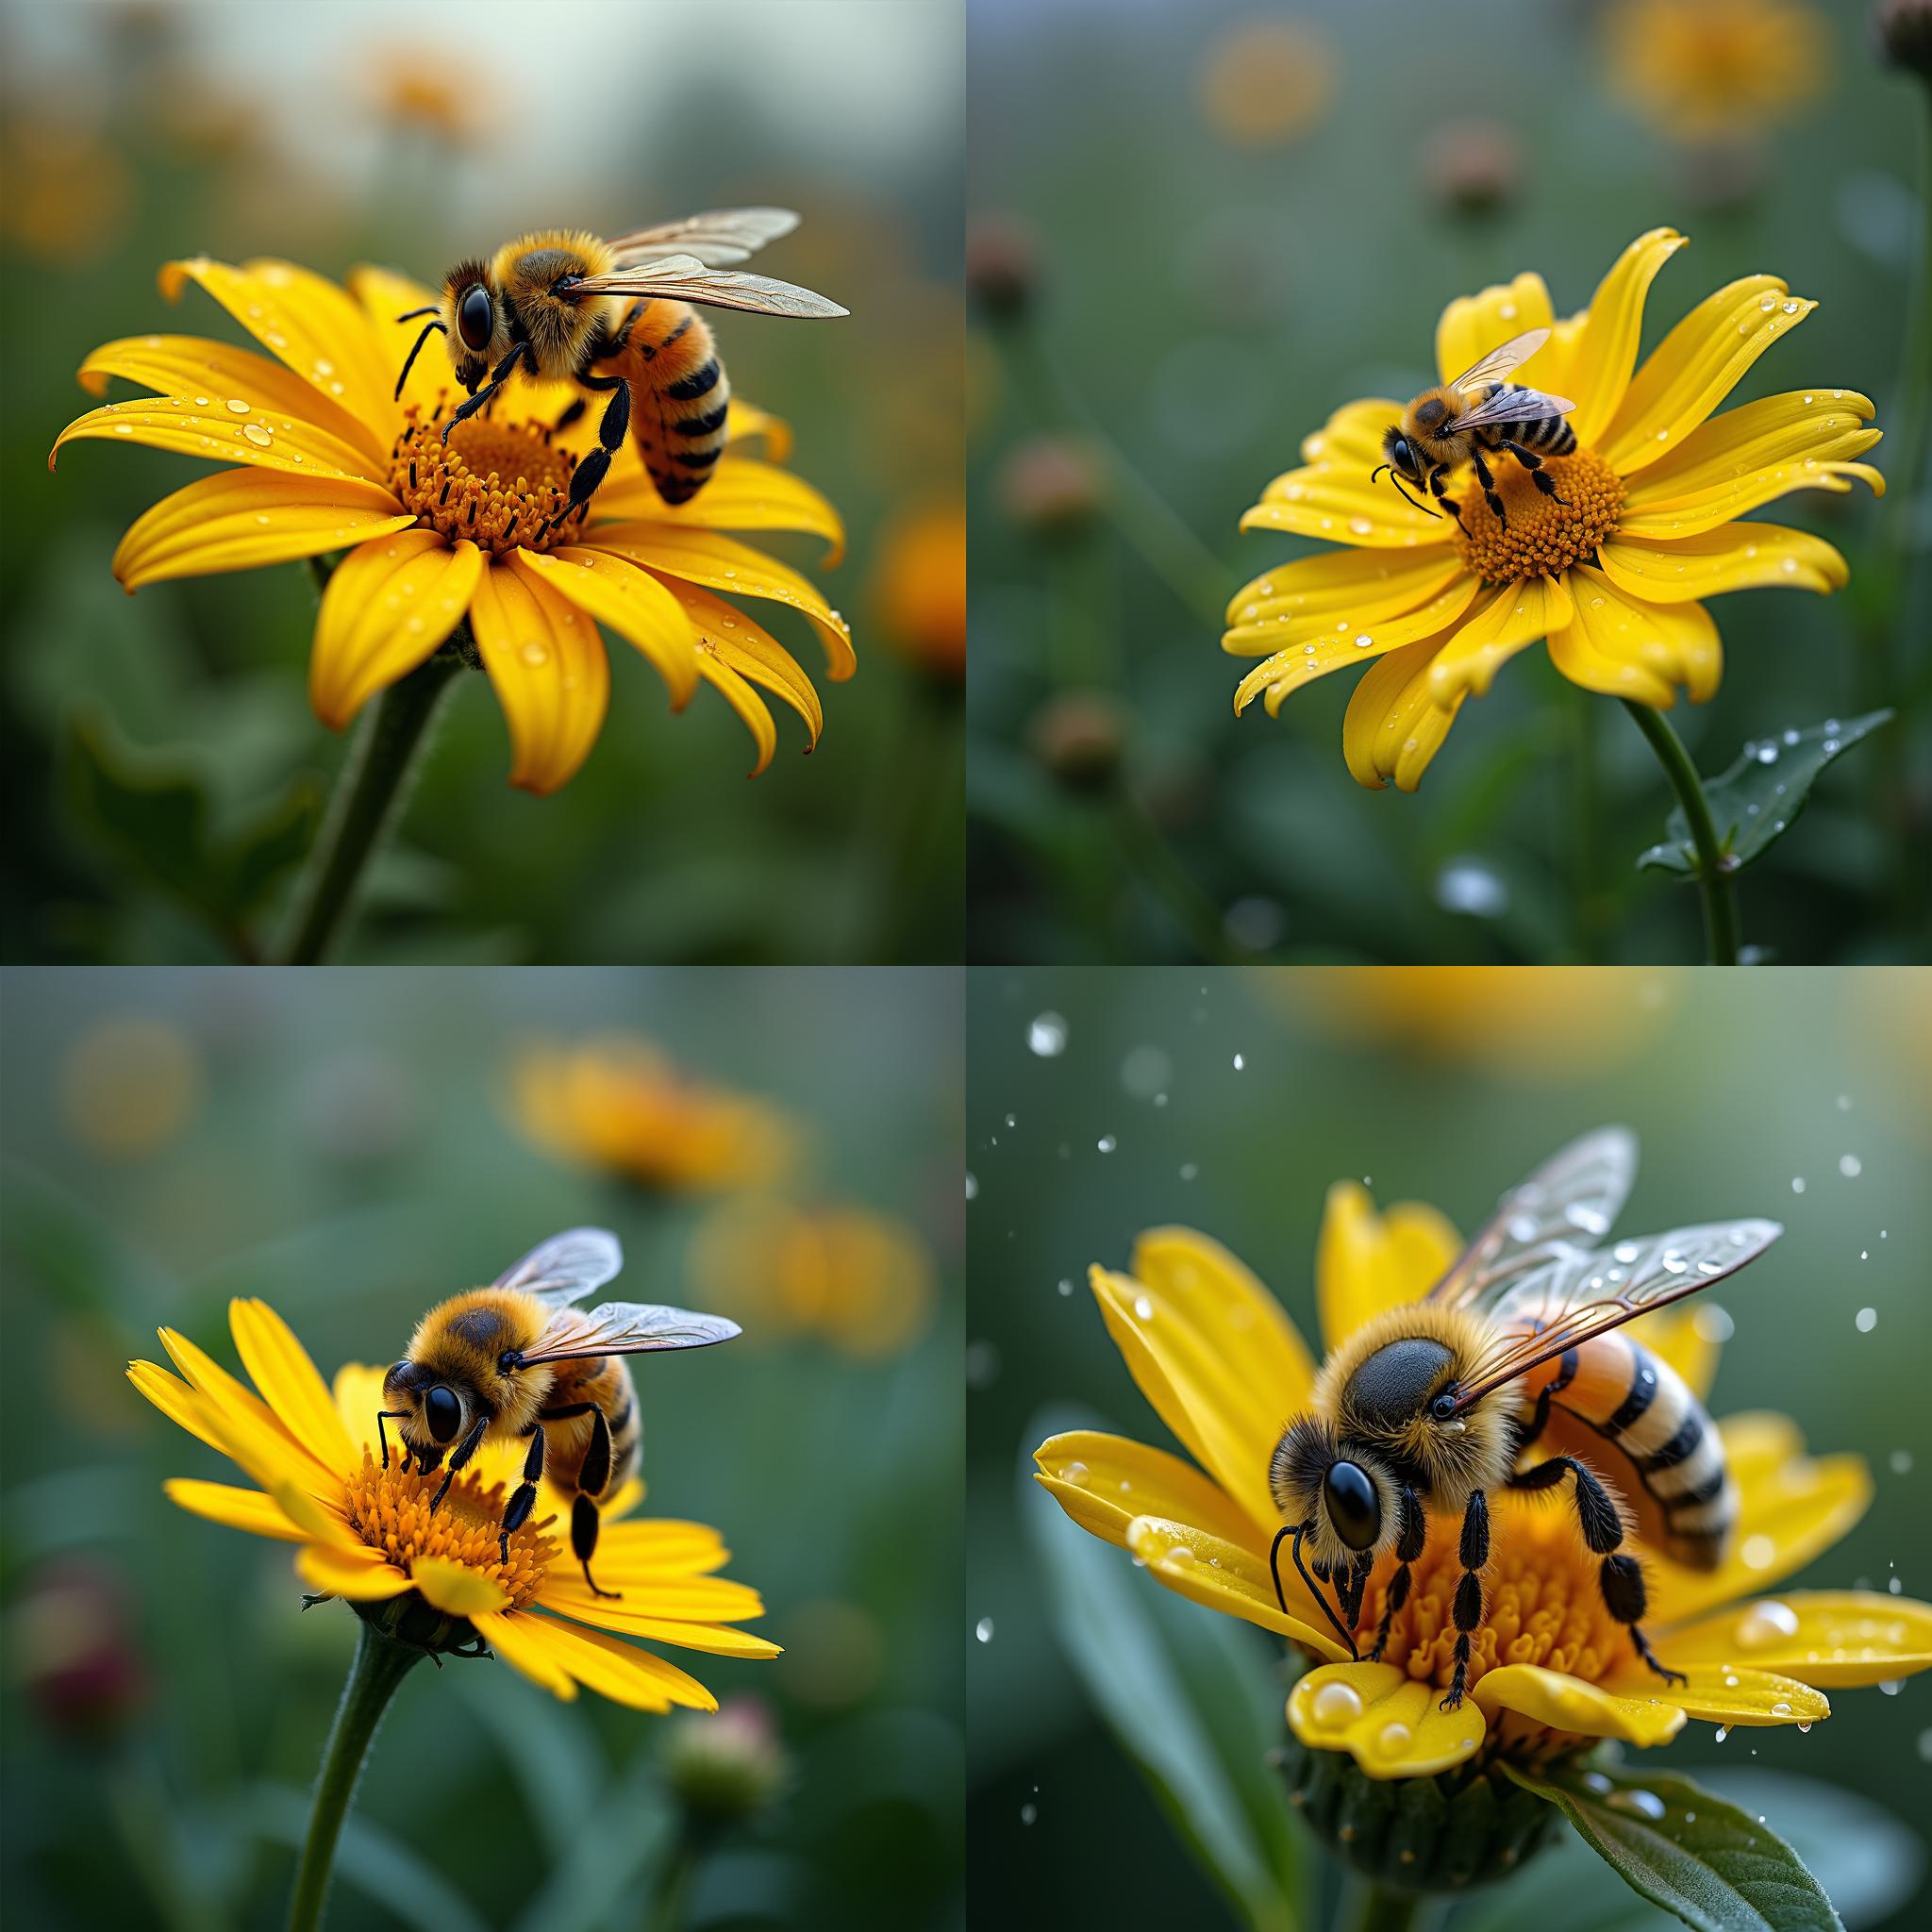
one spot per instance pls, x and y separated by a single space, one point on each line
1714 881
1379 1910
1590 931
365 800
667 1914
380 1664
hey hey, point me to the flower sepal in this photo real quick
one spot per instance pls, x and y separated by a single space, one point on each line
418 1625
1452 1833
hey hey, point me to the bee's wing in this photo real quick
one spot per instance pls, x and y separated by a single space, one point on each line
1575 1195
1509 405
1574 1296
685 278
566 1266
717 238
1502 359
625 1328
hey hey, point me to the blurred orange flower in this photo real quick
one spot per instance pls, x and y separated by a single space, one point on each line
919 588
1700 70
1267 81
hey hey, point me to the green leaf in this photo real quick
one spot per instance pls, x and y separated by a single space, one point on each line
1755 801
1687 1850
1190 1695
273 847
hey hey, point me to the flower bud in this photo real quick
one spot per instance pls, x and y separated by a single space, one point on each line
726 1767
1904 31
1079 737
1050 485
1002 267
1473 168
71 1643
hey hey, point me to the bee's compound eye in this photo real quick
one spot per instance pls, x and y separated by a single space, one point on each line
1353 1507
1444 1405
1405 456
443 1413
474 318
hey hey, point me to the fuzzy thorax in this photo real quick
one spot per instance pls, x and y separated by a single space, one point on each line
459 1343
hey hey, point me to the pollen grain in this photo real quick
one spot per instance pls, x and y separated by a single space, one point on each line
498 484
1540 536
388 1508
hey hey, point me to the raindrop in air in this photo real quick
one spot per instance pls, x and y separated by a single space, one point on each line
1047 1036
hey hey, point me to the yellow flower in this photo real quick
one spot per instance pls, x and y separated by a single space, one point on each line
1266 82
1611 579
920 589
421 89
366 1533
1700 70
863 1280
1224 1368
618 1104
437 531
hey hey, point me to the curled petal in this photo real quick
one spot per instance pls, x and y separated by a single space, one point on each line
264 439
520 1639
1104 1482
363 1576
1729 1695
1569 1703
742 494
632 601
549 669
387 606
1391 1726
1229 1578
1393 725
1605 352
279 1366
1344 507
1835 1639
620 1671
455 1588
754 715
1621 645
1739 557
1512 621
749 424
1336 584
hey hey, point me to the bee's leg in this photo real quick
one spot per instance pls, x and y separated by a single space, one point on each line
1619 1577
1489 482
1467 1611
611 431
465 1449
583 1542
1439 489
517 1513
570 415
395 1415
1410 1539
592 1479
1534 464
484 396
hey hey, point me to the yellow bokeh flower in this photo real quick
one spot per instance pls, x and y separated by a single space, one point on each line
365 1531
919 589
1266 82
1613 578
1225 1367
619 1105
439 532
1708 70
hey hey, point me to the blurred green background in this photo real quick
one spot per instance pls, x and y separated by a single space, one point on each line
1101 1103
414 132
1234 219
338 1143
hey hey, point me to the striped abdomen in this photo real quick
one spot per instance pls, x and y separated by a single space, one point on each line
1631 1416
1550 435
605 1381
679 396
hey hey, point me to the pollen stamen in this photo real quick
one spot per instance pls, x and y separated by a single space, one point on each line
1541 536
490 479
388 1508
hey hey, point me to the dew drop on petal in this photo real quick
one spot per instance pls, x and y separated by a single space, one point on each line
536 654
1360 526
1723 1731
239 408
1143 1307
1758 1552
1336 1703
1392 1737
1075 1473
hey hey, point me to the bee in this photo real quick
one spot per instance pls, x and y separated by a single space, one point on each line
557 306
1436 1403
1478 412
515 1362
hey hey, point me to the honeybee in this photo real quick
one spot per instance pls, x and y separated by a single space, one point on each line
1435 1404
1454 424
557 305
515 1360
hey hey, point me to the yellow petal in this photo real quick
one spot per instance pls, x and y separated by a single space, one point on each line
316 328
1345 507
1696 366
1513 619
1389 1724
1568 1704
1229 1578
244 519
266 440
455 1588
1739 557
1728 1694
749 424
1393 725
362 1578
551 677
321 1522
520 1639
1625 647
1837 1640
752 709
621 1671
671 1600
1605 352
382 295
1472 325
249 1509
721 564
1304 661
1352 437
1342 584
742 494
217 376
757 656
255 1435
717 1640
358 1396
279 1366
1759 1442
1104 1482
1367 1264
181 1404
660 1546
1684 1341
632 601
387 606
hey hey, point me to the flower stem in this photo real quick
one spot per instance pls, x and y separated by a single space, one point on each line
1714 881
1378 1908
380 1664
365 800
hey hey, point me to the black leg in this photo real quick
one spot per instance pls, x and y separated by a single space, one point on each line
1528 1432
498 377
583 1541
595 1474
1439 489
1297 1531
565 1412
465 1449
571 414
1488 483
395 1415
1409 1541
1468 1611
611 431
1534 464
517 1513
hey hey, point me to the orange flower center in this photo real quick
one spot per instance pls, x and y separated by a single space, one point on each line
498 484
1539 537
390 1510
1541 1606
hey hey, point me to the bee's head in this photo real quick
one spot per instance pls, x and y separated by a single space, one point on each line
474 324
1340 1490
433 1410
1401 456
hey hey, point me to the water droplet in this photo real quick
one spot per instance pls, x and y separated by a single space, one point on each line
1143 1307
124 429
1758 1552
257 435
325 367
1768 303
1047 1036
534 653
1075 1473
1107 1143
1866 1319
983 1629
1240 1061
1780 1710
201 402
1336 1703
1797 1184
1360 526
1029 1813
262 517
1723 1731
1392 1737
239 408
1850 1166
1638 1804
1790 308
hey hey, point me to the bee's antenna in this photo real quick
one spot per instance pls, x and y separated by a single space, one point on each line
1404 493
1297 1532
410 361
415 314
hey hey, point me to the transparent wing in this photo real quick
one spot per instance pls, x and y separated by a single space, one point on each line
685 278
717 238
1502 361
1509 405
1574 1197
627 1328
1574 1296
566 1266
